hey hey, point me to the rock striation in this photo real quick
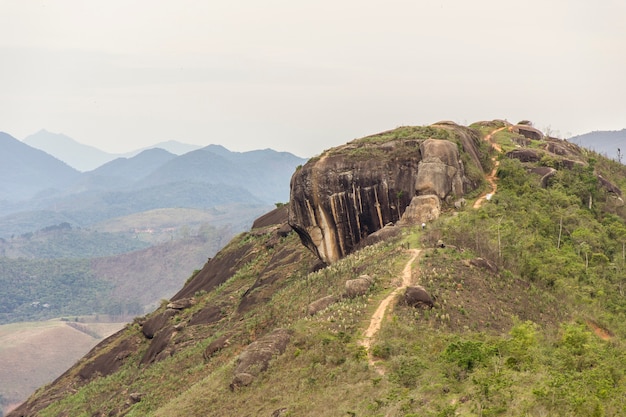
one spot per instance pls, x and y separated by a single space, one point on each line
350 192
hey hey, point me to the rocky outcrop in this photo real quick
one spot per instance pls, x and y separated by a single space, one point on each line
545 173
524 155
423 209
350 192
528 131
256 357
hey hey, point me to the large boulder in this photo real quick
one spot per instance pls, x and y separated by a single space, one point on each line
528 131
417 296
350 192
440 172
319 305
358 286
423 209
256 357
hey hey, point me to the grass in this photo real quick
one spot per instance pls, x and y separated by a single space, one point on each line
505 343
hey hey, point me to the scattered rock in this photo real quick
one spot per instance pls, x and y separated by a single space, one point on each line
524 155
545 173
528 131
135 397
417 296
606 184
460 203
319 305
181 304
358 286
484 264
209 314
159 343
215 346
281 412
155 323
256 357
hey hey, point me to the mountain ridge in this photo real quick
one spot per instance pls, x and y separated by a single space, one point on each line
86 158
519 286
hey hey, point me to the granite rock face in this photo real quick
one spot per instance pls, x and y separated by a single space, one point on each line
350 192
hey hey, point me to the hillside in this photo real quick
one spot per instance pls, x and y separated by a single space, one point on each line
514 307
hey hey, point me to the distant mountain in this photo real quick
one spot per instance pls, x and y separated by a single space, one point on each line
26 171
172 146
265 173
122 172
604 142
154 179
82 157
87 158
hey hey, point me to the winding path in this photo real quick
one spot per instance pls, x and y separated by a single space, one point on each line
491 178
379 314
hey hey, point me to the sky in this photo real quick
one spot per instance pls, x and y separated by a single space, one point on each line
305 76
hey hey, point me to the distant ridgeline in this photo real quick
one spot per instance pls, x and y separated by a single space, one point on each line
611 144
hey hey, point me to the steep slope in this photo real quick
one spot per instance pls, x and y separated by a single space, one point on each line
525 312
26 171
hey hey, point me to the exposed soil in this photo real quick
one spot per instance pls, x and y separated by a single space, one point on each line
377 317
599 331
491 177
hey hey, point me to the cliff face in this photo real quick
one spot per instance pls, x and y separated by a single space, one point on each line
354 190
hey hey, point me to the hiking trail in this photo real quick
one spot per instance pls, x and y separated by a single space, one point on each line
491 177
377 318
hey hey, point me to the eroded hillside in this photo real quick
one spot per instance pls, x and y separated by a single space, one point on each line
523 314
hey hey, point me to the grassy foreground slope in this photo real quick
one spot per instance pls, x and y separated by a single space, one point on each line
529 318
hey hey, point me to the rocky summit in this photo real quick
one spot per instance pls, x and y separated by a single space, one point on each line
352 191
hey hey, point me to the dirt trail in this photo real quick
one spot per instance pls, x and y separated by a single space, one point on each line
491 178
377 317
599 331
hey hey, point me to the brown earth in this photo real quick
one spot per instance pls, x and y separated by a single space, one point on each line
34 354
377 317
491 177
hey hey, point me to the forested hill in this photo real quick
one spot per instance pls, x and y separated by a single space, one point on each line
512 304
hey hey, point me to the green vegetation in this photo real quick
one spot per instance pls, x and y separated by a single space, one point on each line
537 331
61 241
41 289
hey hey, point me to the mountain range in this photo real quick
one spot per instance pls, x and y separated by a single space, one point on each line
38 190
86 158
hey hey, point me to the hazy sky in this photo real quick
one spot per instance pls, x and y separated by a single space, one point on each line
305 76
